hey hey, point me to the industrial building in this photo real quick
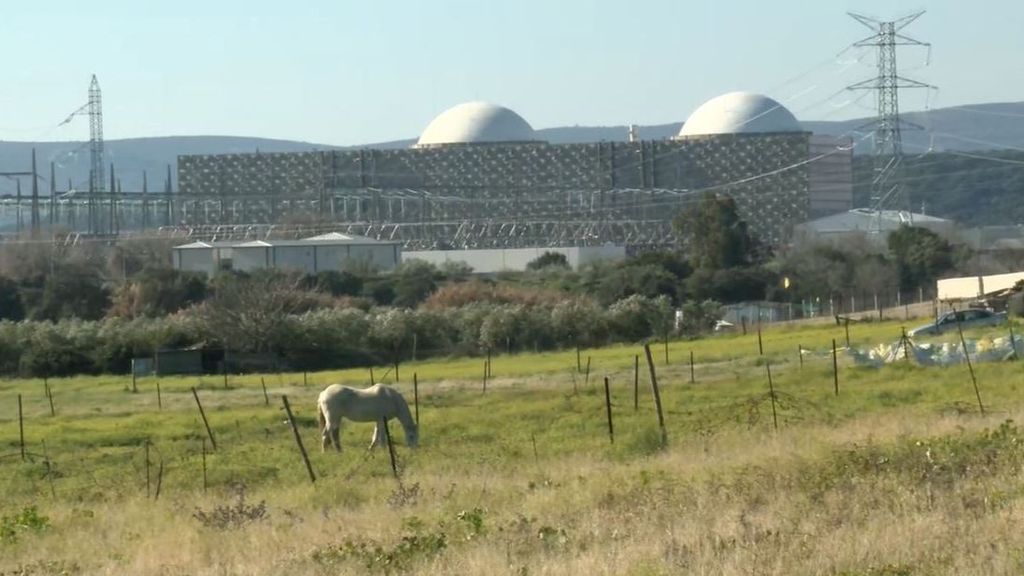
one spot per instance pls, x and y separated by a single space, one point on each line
492 260
480 177
869 224
331 251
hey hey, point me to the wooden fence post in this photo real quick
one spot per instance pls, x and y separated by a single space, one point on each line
205 483
835 367
372 381
636 382
159 479
846 326
485 377
134 387
760 344
967 356
21 428
608 407
771 393
657 395
579 366
266 397
159 399
391 448
800 354
489 373
305 377
206 423
666 349
416 396
49 471
148 482
586 379
693 377
298 438
49 395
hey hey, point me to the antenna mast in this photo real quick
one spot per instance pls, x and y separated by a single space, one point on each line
886 191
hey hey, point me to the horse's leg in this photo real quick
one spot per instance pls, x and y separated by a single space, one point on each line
379 438
336 437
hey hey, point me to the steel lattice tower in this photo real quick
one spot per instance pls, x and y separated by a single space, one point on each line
96 173
888 146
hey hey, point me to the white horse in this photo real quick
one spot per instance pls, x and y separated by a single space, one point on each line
377 403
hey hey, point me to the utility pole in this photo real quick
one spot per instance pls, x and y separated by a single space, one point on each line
97 178
888 146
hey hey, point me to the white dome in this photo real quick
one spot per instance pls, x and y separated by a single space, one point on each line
475 123
740 113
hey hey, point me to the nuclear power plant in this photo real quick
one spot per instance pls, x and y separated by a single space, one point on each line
480 176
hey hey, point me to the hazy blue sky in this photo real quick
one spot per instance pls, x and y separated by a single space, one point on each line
346 72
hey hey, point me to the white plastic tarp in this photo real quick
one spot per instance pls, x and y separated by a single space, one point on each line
940 353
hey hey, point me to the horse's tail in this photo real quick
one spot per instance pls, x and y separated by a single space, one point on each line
321 416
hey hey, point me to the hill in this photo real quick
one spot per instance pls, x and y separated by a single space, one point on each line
971 128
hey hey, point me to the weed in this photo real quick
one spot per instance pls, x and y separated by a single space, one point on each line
385 559
474 519
404 495
232 517
45 568
885 570
27 520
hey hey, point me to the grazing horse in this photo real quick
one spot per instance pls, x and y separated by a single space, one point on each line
378 403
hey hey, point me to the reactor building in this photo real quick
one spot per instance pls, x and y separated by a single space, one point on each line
480 177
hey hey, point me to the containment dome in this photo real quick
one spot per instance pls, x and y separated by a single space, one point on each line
739 113
476 123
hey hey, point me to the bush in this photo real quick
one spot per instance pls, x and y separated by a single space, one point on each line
548 260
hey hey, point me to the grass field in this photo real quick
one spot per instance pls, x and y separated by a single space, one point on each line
898 474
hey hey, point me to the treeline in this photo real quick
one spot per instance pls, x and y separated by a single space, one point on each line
332 337
91 309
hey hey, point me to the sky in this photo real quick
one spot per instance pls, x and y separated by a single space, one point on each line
342 72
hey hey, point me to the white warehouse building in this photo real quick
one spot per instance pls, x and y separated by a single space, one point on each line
332 251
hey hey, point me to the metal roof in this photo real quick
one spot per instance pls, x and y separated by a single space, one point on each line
868 220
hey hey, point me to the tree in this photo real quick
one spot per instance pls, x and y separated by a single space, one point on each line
336 283
715 234
74 290
251 312
548 260
920 255
11 306
158 292
415 280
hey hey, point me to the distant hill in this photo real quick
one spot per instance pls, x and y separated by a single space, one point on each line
962 128
130 157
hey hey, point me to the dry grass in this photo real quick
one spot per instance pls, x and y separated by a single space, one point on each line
896 476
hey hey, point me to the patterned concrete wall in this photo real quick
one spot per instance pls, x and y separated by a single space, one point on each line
610 182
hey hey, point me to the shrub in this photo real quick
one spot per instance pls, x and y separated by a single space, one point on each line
26 520
232 517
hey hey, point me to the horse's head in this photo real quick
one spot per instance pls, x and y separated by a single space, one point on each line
412 436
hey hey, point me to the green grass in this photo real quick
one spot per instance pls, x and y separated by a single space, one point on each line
478 449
